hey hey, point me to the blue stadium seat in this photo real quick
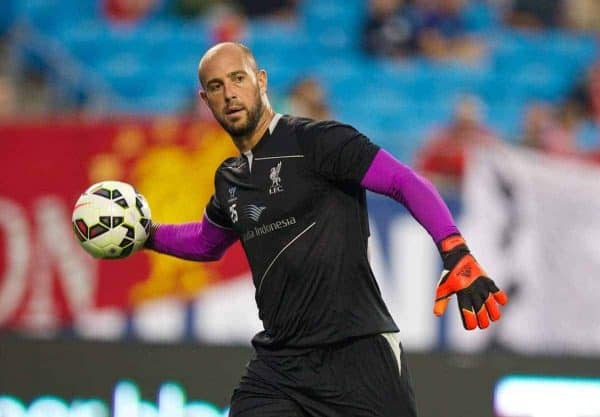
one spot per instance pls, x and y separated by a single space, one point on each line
506 118
334 24
480 17
49 15
588 136
8 14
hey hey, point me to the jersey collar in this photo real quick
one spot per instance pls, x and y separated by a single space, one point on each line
268 133
273 123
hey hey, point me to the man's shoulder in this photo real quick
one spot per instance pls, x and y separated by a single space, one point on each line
309 128
231 162
304 123
229 165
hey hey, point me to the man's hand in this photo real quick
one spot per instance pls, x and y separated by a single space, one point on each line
477 295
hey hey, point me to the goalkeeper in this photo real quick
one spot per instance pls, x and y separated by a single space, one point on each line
295 197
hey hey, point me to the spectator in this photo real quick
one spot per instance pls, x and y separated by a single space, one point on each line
443 34
442 158
307 99
390 29
586 93
8 99
193 8
585 98
128 11
554 131
583 14
228 23
282 9
537 121
561 138
535 14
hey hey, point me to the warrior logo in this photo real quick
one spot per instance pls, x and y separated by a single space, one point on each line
253 212
232 197
276 186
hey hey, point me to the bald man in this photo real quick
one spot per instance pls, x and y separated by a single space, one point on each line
295 198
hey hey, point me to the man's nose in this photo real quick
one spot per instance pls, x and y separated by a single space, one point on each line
229 91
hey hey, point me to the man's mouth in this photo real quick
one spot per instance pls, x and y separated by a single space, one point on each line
233 110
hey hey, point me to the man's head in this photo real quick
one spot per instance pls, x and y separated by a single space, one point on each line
468 112
233 87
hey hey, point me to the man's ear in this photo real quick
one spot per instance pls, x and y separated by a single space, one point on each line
262 80
202 95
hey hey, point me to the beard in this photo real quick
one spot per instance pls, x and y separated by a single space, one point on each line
244 129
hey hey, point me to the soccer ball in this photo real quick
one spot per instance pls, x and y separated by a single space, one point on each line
111 220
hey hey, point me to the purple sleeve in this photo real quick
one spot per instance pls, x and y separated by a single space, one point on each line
199 241
388 176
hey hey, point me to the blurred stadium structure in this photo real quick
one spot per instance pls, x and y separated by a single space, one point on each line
121 101
150 67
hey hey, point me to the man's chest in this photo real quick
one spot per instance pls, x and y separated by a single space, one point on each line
273 193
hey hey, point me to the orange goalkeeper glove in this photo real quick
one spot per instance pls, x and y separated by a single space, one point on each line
477 295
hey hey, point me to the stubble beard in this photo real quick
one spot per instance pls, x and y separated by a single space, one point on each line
245 130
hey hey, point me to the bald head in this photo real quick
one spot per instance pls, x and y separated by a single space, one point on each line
226 51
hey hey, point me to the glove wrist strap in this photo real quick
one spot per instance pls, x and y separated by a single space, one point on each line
452 249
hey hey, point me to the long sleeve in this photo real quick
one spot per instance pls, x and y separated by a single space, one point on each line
388 176
198 241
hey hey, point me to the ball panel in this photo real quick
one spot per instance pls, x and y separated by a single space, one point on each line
113 237
92 249
122 202
125 243
78 233
97 230
106 221
102 192
127 250
130 231
82 227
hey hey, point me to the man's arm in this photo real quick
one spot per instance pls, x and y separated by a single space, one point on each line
390 177
199 241
476 293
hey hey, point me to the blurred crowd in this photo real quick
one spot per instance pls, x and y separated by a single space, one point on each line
435 29
223 12
569 129
397 30
439 30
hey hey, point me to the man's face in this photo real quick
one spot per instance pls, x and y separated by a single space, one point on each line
233 91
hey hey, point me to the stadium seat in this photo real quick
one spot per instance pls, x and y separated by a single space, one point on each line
151 67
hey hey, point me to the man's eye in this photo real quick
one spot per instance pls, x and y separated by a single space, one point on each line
239 78
214 87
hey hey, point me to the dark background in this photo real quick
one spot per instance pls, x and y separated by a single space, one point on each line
446 384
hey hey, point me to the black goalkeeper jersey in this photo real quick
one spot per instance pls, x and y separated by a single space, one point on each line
297 204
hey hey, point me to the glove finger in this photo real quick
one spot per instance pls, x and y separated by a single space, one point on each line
482 317
492 308
501 297
469 318
479 307
440 306
465 305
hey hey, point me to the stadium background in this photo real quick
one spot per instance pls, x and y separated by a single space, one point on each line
89 92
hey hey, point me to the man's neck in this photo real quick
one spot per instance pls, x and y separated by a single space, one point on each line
246 143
